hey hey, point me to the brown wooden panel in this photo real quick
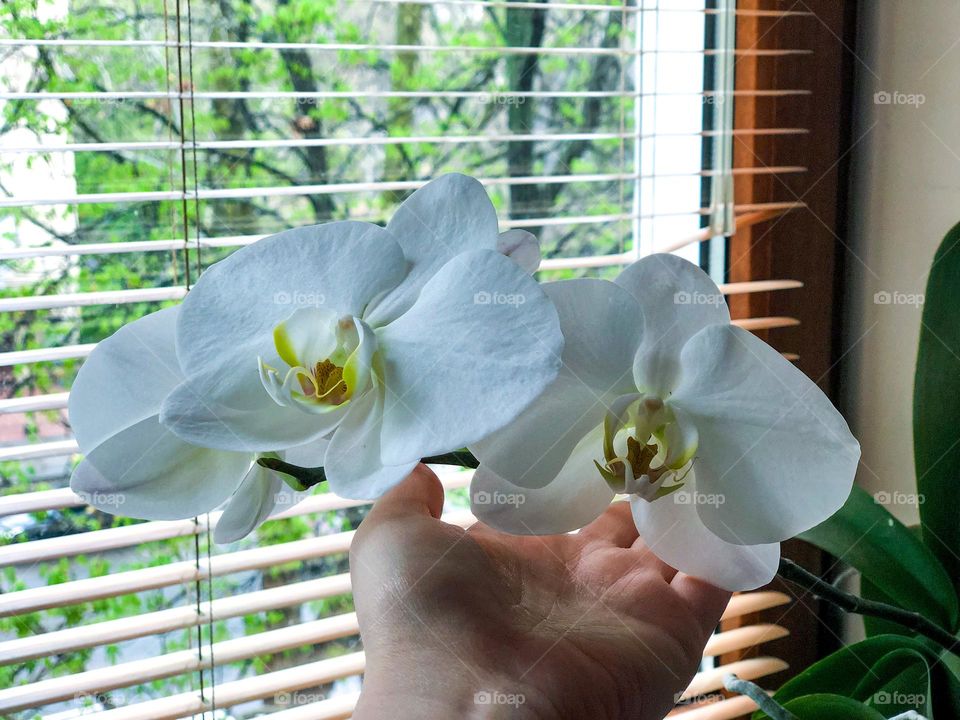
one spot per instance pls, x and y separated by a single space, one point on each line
806 244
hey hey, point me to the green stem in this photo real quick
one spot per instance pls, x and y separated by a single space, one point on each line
756 693
848 602
305 478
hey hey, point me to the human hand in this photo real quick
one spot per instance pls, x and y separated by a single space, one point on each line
480 624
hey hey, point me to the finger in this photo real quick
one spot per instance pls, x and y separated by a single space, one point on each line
615 526
652 560
421 493
707 601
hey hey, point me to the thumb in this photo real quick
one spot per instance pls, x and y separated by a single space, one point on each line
421 493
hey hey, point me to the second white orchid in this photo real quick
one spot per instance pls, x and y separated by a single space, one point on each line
723 447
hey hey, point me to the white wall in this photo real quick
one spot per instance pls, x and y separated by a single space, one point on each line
905 196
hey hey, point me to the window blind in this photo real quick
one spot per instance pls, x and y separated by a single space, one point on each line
143 141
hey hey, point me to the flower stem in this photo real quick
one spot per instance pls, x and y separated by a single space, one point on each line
848 602
308 477
753 691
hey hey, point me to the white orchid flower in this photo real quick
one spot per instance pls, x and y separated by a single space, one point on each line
396 343
723 446
135 467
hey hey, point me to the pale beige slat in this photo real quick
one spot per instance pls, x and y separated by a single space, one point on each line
728 709
120 537
77 591
38 501
755 286
108 632
766 323
34 403
136 672
36 451
743 637
98 541
324 671
708 681
240 691
754 602
335 708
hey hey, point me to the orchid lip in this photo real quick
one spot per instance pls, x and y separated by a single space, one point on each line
646 453
329 360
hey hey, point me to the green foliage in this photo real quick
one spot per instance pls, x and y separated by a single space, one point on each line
936 409
864 534
915 570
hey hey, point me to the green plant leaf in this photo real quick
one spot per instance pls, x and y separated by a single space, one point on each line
831 707
936 407
887 663
864 534
897 683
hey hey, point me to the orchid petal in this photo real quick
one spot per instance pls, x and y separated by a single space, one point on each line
678 300
243 418
227 320
125 379
447 216
307 336
673 532
249 506
576 497
352 463
480 344
146 472
522 247
770 441
602 326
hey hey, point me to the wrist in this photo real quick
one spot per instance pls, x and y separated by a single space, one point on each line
406 689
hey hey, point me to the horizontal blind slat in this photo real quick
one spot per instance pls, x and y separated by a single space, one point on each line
162 621
333 188
123 583
305 142
136 672
129 535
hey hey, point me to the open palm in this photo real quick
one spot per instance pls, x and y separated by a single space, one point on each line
477 623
